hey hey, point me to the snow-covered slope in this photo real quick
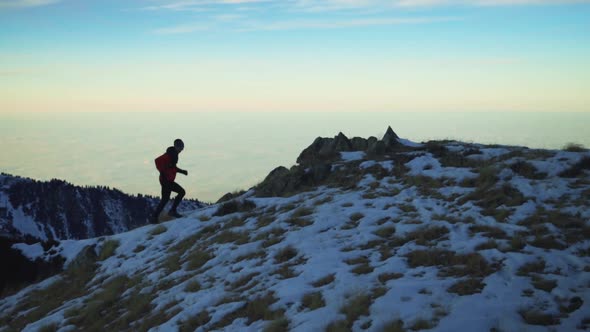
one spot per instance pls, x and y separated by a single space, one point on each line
444 236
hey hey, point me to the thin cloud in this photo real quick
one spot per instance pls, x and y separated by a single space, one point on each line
305 24
199 5
439 3
182 29
25 3
339 24
335 5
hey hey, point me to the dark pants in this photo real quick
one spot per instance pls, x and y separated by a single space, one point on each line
167 189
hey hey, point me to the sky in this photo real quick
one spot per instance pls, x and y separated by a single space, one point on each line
294 55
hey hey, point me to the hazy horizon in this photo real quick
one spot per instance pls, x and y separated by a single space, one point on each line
232 151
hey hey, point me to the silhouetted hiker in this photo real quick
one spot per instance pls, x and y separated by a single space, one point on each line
166 164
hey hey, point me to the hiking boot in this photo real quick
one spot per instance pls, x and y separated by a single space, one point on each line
174 214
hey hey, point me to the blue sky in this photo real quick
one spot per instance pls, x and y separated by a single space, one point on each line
339 55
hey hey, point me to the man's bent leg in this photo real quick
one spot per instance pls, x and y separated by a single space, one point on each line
165 198
180 195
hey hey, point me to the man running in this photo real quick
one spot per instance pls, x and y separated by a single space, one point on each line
166 164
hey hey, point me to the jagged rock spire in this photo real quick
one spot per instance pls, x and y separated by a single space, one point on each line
389 135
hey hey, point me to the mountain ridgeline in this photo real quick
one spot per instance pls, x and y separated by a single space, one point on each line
57 210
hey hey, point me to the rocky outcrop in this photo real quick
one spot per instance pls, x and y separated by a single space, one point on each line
315 162
325 150
282 181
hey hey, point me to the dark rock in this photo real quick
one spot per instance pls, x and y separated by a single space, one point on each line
376 149
230 196
359 144
371 140
320 150
275 183
319 172
282 182
342 143
325 150
390 139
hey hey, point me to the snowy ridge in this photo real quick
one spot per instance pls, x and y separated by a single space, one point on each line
57 210
465 238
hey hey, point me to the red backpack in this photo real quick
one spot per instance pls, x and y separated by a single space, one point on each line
162 162
166 171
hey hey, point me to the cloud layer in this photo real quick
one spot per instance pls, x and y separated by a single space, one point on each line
25 3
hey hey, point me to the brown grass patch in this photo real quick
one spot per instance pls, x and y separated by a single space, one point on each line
577 169
197 259
385 277
532 267
527 170
192 286
488 231
313 301
573 304
452 264
228 236
195 321
385 232
489 244
285 254
546 285
234 206
324 281
467 287
535 317
425 236
253 310
241 283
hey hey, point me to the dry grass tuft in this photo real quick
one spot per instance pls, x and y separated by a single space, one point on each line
532 267
535 317
313 301
285 254
158 230
422 324
546 285
467 287
577 169
490 244
228 236
191 324
527 170
394 326
385 277
108 249
253 310
234 206
385 232
278 325
425 236
192 287
451 264
324 281
241 283
197 259
488 231
573 304
574 147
